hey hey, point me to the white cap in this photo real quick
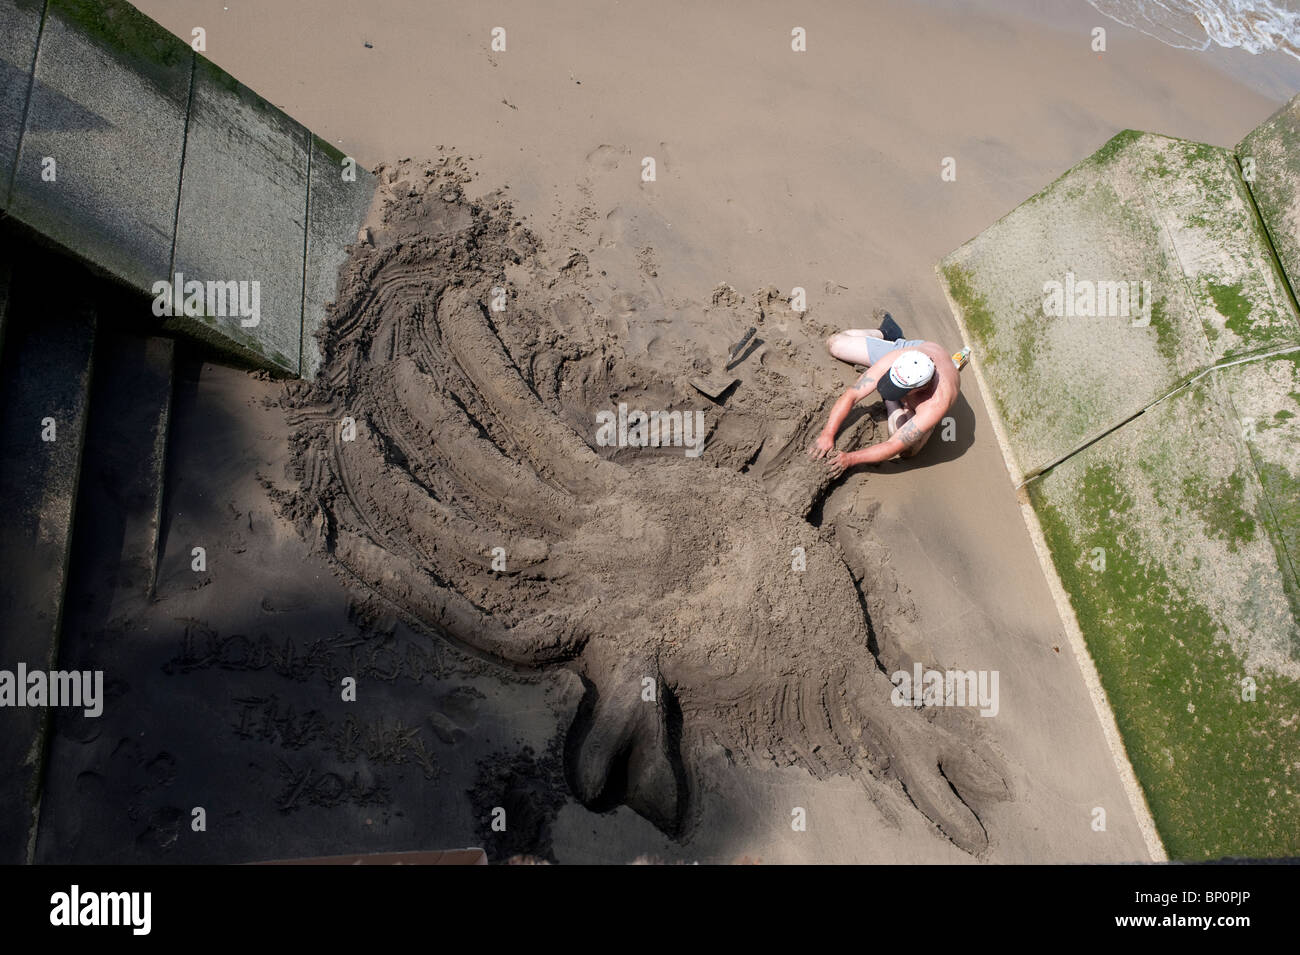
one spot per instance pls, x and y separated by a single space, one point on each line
911 369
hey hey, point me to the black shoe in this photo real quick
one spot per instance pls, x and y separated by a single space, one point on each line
889 328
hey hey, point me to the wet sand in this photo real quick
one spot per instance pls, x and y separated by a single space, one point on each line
819 170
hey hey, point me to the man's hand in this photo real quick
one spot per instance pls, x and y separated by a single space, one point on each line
839 462
824 444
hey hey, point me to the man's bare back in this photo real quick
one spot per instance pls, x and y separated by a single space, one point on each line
912 418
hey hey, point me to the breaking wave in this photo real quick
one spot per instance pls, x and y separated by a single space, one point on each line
1258 26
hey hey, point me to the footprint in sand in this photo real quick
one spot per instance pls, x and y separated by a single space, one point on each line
606 158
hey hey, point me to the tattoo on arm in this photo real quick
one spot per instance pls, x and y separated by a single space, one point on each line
909 433
866 382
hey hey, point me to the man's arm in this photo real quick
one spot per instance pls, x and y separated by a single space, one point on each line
912 431
863 387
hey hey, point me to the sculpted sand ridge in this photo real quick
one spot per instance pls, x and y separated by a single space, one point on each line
441 429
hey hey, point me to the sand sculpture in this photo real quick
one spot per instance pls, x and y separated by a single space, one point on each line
448 463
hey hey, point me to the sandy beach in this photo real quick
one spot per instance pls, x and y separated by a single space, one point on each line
774 169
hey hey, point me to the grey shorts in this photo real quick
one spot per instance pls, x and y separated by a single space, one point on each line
878 348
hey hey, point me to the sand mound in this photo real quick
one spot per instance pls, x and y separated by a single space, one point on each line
452 461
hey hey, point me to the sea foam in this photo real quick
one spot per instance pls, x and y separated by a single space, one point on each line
1258 26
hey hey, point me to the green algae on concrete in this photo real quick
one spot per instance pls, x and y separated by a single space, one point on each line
230 344
243 211
1176 532
1135 270
1161 533
107 107
125 33
338 199
1266 397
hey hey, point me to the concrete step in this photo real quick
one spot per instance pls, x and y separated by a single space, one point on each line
115 541
114 557
45 380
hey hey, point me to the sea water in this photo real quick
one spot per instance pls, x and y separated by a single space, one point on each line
1257 26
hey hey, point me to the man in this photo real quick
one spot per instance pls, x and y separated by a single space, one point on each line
917 379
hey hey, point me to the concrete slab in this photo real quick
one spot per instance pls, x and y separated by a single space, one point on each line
108 105
243 213
1164 534
1139 267
20 26
45 383
1270 158
336 209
